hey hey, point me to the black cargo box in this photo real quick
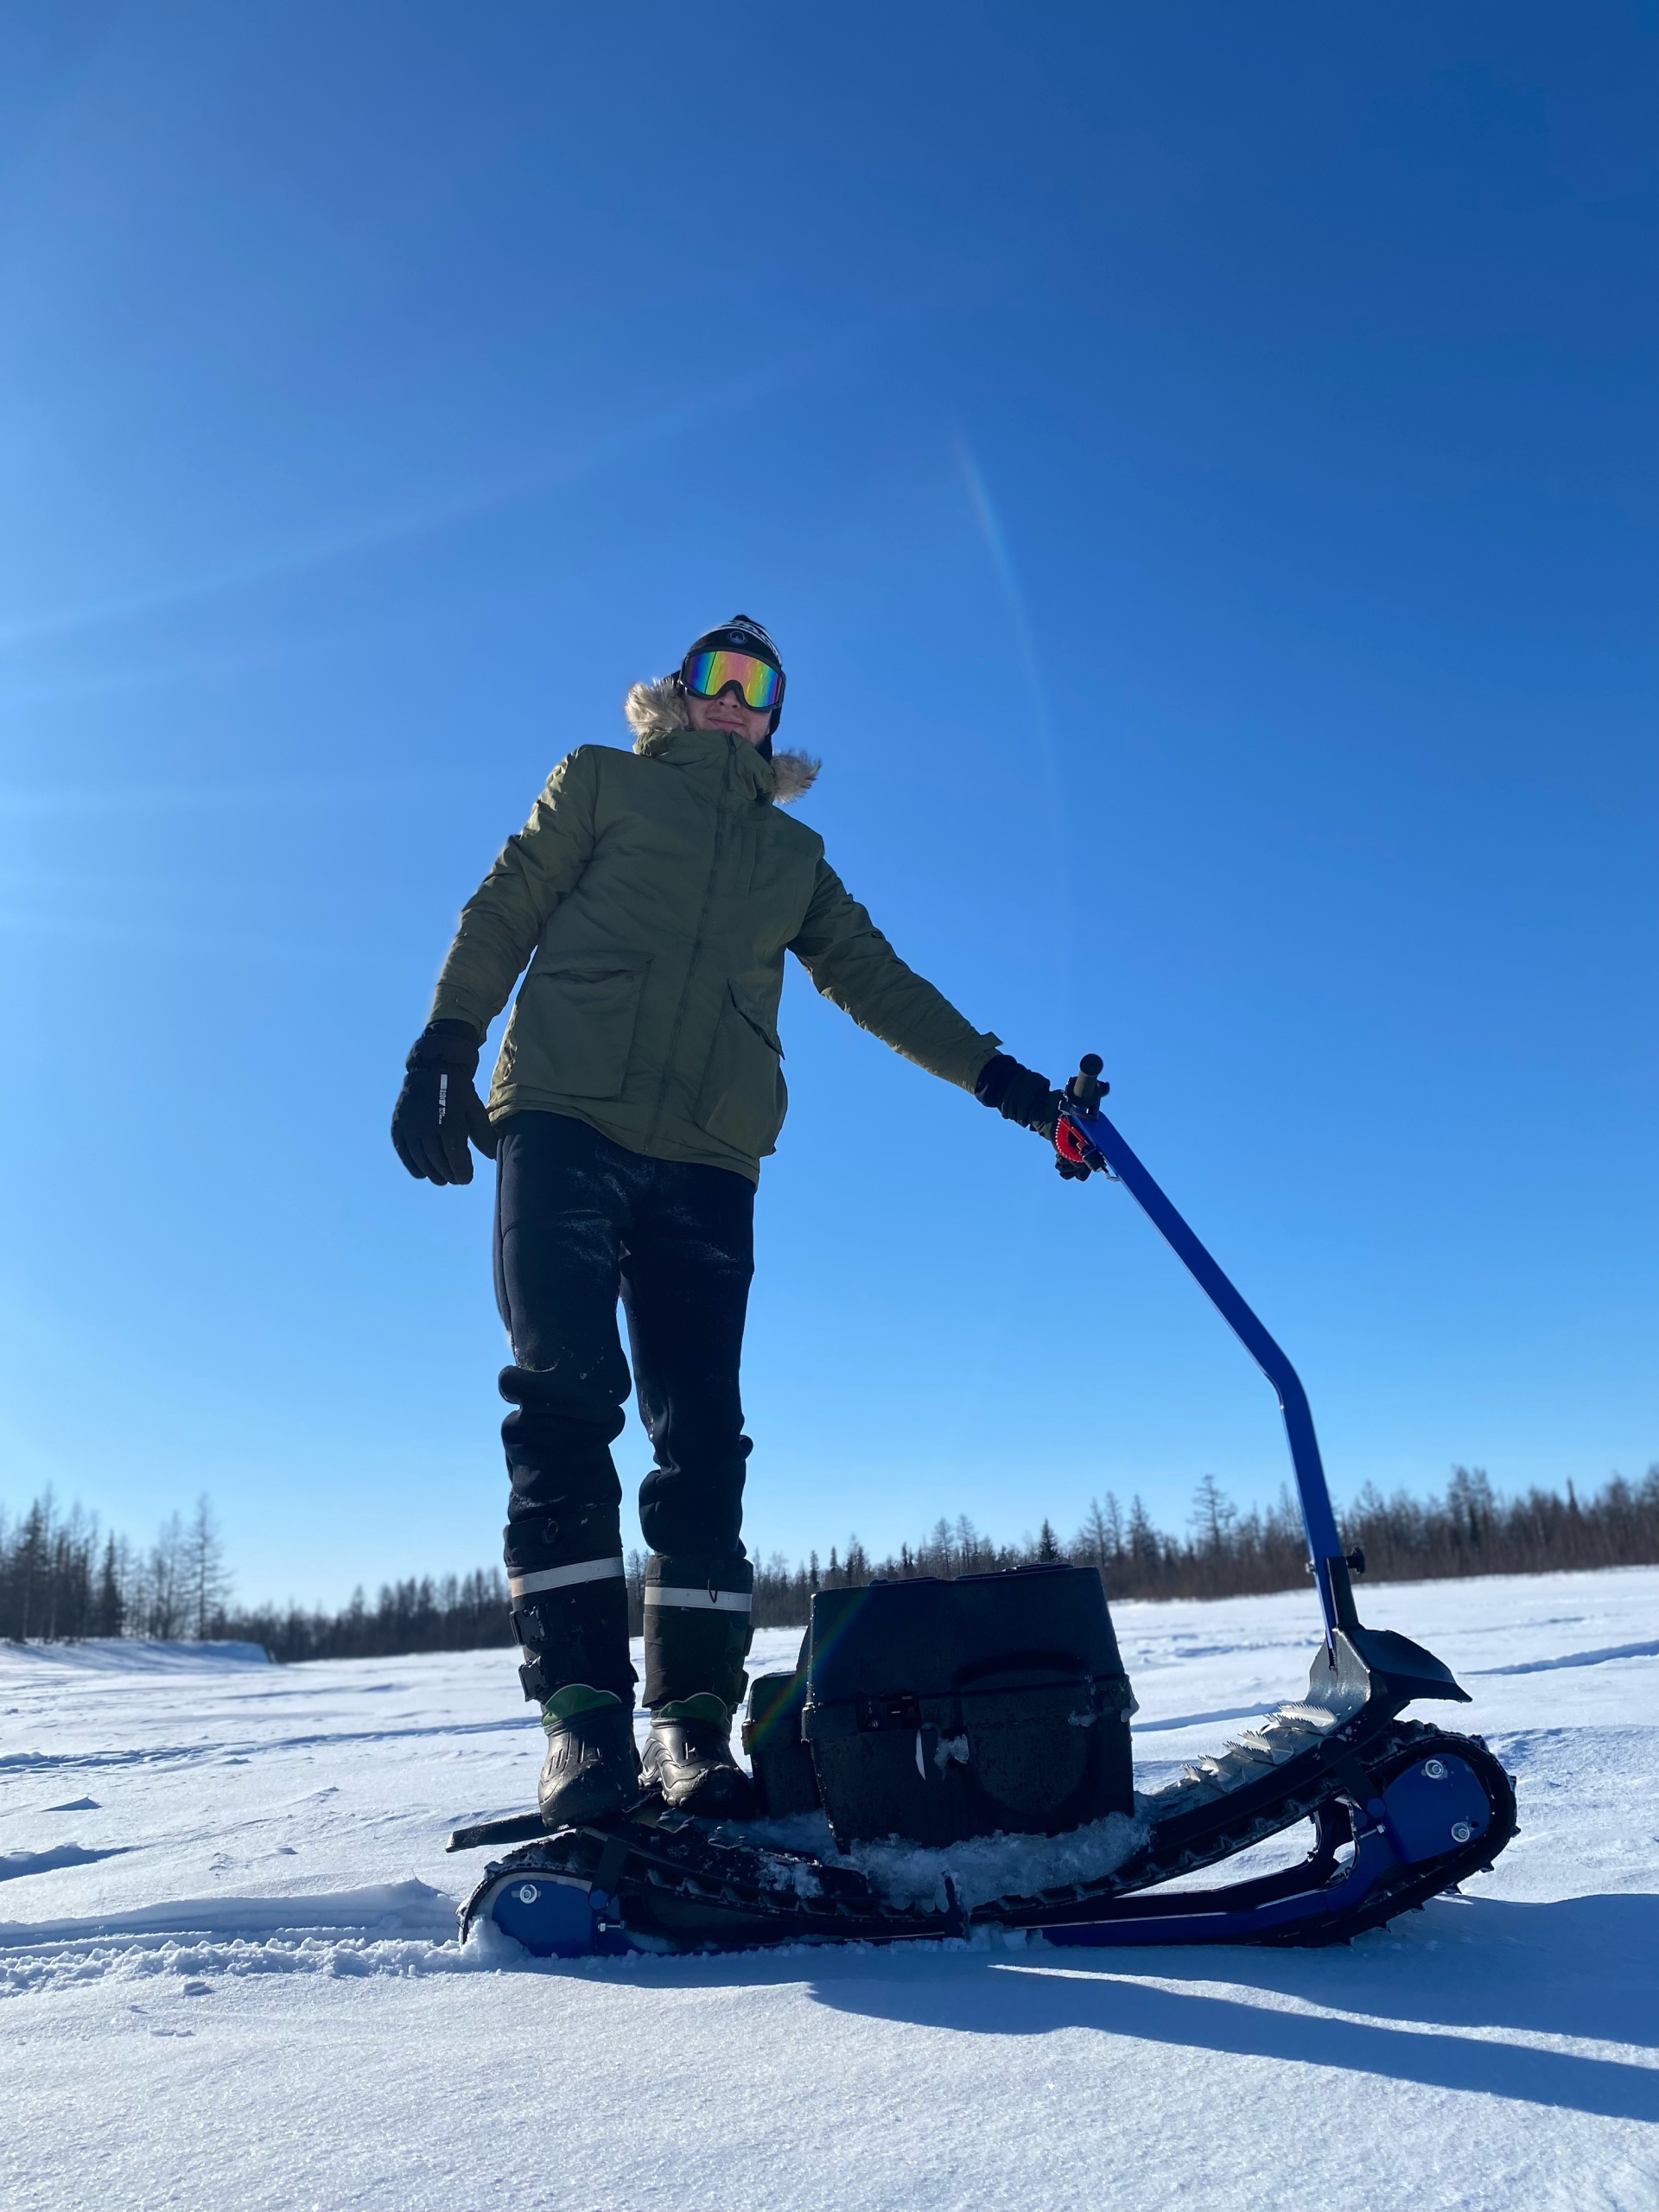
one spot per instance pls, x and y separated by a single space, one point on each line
784 1781
936 1710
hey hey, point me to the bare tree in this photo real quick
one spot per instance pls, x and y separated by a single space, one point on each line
1100 1540
1146 1548
164 1587
1213 1516
204 1584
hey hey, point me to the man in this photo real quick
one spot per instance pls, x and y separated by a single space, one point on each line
653 894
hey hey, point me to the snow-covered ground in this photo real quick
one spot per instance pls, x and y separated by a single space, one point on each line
227 1924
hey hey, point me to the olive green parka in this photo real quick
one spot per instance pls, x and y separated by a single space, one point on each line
654 894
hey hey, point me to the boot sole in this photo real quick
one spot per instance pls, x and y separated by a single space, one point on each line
716 1796
570 1808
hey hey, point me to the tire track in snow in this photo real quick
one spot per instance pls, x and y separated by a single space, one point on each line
195 1754
1574 1659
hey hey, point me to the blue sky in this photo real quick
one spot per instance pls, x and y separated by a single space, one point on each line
1199 464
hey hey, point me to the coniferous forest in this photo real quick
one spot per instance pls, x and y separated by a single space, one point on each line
62 1577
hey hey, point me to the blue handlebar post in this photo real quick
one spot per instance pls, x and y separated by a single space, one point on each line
1324 1544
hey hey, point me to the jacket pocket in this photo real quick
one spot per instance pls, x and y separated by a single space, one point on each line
575 1021
744 1097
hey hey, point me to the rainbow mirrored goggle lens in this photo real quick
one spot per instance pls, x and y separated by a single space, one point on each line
759 682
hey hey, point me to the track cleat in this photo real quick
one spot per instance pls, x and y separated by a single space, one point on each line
688 1760
592 1768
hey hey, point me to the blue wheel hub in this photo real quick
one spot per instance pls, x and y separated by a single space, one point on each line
556 1917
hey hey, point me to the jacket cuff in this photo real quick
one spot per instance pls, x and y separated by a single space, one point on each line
991 1083
451 1004
446 1044
986 1048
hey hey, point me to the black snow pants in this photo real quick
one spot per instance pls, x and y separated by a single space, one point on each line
579 1221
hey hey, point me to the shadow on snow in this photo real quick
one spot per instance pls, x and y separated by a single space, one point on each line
1586 1967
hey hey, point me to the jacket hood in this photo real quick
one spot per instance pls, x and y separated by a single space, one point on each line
658 709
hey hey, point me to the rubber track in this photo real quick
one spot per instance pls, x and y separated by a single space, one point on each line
682 1888
1265 1806
1408 1889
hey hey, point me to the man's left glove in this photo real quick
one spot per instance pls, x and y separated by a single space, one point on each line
438 1110
1019 1094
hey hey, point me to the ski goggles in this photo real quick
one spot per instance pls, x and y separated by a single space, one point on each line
760 684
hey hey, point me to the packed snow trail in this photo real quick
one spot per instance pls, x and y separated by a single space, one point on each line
226 1921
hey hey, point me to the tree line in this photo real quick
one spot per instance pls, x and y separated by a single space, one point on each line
1470 1529
62 1578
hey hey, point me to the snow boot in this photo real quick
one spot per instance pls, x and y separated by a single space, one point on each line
697 1631
688 1761
572 1625
592 1768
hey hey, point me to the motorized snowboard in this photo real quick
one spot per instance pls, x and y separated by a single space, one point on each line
954 1754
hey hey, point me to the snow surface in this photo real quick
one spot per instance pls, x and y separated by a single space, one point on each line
227 1923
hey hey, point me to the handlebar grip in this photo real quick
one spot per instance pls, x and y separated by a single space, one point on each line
1085 1089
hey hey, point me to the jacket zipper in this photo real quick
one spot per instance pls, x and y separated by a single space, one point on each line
696 947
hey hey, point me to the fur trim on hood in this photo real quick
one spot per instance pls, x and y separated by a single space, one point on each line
653 709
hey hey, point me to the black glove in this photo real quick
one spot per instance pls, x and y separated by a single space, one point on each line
1019 1094
438 1110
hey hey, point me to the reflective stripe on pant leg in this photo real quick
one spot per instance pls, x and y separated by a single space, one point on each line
702 1601
698 1621
560 1577
571 1623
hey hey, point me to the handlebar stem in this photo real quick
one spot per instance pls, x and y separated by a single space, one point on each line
1318 1520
